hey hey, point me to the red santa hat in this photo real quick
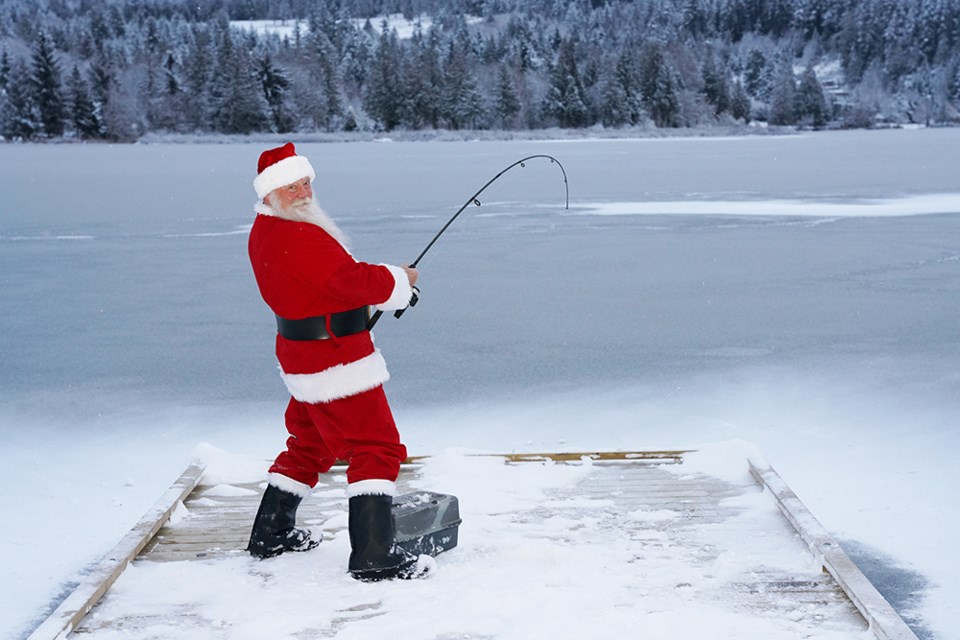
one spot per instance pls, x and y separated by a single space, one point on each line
280 167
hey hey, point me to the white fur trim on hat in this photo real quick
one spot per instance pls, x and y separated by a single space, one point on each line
288 484
282 173
372 488
339 381
401 294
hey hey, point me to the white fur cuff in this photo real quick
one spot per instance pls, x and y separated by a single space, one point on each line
288 484
372 488
402 292
339 381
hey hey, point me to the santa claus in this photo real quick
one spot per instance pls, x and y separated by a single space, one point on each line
321 297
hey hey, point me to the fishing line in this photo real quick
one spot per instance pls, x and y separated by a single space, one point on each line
475 200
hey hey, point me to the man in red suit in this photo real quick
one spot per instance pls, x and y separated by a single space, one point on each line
321 297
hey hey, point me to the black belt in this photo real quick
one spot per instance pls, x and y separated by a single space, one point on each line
345 323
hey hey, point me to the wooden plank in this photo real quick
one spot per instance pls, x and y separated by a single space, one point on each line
879 614
76 605
663 457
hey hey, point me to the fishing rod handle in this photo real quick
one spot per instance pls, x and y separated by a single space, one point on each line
373 320
414 299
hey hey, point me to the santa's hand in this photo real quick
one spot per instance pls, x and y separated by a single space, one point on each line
412 274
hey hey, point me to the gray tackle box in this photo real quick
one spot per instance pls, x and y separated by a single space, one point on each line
426 522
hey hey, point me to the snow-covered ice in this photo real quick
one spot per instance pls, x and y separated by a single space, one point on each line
873 208
132 330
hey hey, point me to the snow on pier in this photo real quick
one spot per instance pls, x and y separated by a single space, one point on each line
706 544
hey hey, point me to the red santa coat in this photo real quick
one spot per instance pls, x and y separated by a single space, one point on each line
302 271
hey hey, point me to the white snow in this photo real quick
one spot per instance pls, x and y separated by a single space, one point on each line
226 491
396 22
829 343
282 28
906 206
656 515
403 27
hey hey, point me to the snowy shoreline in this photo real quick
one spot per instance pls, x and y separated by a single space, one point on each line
553 134
546 135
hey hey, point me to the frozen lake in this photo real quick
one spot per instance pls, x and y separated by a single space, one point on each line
800 292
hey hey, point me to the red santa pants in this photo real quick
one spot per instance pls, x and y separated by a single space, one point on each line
359 429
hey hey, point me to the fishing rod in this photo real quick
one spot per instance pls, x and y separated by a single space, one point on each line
474 199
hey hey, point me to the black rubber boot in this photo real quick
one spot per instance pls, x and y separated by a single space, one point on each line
273 528
374 556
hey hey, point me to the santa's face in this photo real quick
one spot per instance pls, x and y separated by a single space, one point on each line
295 194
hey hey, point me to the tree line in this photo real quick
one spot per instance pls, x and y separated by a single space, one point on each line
118 69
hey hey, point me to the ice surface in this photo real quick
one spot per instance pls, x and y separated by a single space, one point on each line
132 329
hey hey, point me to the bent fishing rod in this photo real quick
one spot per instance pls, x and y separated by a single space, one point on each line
474 199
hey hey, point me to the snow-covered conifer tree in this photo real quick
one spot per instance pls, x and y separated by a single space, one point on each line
566 101
19 117
275 84
83 114
783 97
715 87
739 102
422 82
810 106
658 88
756 75
47 88
383 98
506 102
463 105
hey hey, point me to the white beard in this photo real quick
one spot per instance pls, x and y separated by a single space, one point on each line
309 211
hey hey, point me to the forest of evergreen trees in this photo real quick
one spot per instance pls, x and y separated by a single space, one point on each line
119 69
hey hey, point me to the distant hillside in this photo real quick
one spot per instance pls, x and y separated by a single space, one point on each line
120 69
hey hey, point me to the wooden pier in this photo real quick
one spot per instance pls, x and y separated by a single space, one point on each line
839 597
